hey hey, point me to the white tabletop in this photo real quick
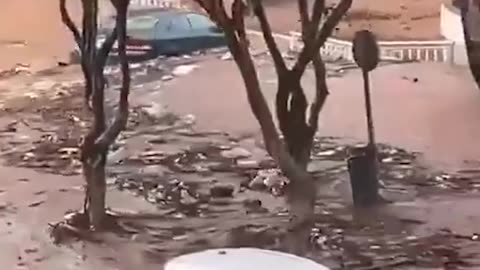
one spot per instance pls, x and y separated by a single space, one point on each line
241 259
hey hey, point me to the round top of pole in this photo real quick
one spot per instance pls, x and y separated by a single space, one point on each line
241 259
365 50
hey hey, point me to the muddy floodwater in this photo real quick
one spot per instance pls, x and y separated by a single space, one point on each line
430 108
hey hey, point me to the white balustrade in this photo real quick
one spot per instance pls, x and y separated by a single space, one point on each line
422 51
155 3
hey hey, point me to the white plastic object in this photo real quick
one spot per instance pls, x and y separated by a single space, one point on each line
241 259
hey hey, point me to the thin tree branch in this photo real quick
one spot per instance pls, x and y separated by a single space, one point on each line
272 46
303 11
238 19
309 50
309 30
299 103
87 13
205 5
286 90
321 92
292 119
281 103
216 10
90 24
219 12
121 117
318 9
309 23
67 20
104 51
101 60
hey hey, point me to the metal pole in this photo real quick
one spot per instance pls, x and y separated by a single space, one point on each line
363 166
368 107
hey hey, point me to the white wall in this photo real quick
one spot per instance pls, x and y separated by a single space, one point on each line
451 29
450 23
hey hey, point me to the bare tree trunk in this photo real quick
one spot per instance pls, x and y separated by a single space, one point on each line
97 141
96 195
470 12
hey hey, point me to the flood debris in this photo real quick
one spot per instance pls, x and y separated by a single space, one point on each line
183 70
236 153
248 164
74 227
221 190
226 56
269 179
18 69
253 206
37 203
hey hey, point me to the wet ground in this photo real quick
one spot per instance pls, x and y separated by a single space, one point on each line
389 20
423 107
194 174
197 181
182 184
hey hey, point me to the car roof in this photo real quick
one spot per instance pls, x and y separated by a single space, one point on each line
159 12
154 13
148 18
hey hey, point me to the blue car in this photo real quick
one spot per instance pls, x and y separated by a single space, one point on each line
155 32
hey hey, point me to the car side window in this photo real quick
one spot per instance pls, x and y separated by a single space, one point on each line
141 27
179 24
143 22
200 22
